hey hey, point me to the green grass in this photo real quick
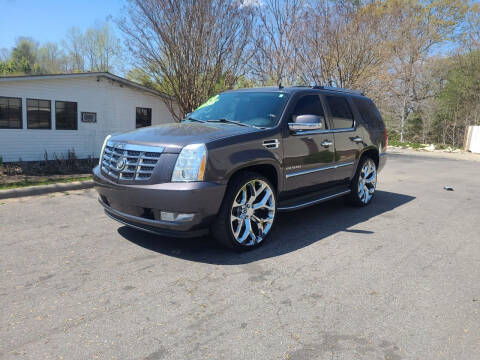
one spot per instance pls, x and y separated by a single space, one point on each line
26 183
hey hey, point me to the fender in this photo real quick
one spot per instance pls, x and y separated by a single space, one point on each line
364 150
258 162
223 166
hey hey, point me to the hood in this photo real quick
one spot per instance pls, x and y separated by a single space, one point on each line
175 136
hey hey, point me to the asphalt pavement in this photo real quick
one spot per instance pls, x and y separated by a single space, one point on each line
399 279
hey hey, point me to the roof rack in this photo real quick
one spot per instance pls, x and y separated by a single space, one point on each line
331 88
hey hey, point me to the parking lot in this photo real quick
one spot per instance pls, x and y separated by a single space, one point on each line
399 279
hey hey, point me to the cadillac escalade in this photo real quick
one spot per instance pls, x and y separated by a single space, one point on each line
239 159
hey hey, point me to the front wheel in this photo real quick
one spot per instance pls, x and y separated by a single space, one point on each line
364 183
247 213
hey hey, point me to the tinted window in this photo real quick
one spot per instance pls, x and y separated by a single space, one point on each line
10 113
342 115
38 114
261 109
144 117
66 115
308 105
369 112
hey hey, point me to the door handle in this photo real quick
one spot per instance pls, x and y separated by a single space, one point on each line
357 139
326 143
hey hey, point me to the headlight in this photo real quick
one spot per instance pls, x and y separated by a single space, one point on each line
191 162
103 149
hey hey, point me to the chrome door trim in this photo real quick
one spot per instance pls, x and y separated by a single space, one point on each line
325 131
313 202
303 172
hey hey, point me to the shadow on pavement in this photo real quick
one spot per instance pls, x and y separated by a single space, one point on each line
293 231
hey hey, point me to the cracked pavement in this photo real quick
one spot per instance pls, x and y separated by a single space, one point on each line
396 280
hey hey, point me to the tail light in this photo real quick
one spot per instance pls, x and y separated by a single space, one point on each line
386 139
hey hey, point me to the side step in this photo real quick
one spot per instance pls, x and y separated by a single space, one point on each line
296 204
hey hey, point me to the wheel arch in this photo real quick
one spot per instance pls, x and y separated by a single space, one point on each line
266 169
372 152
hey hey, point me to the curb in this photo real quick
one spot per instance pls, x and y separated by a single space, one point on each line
45 189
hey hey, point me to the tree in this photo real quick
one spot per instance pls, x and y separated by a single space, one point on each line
25 50
188 46
75 49
101 48
98 49
51 59
342 43
4 54
142 77
419 26
276 39
471 30
458 102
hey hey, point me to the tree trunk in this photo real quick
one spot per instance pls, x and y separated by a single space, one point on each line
403 118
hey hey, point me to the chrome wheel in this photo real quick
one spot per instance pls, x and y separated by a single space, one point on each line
367 181
252 213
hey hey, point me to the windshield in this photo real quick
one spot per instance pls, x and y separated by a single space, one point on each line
261 109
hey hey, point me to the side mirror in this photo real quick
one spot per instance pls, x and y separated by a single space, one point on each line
307 122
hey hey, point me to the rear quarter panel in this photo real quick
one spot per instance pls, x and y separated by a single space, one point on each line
372 125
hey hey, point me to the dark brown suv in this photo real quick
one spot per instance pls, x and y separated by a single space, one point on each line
241 157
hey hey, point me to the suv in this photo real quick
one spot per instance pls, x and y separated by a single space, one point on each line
240 158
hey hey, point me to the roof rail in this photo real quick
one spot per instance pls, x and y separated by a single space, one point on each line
331 88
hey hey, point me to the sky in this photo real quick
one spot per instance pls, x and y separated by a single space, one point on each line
49 20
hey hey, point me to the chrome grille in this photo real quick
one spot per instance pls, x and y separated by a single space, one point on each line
129 161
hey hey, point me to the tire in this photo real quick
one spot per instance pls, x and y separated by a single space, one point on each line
247 214
364 183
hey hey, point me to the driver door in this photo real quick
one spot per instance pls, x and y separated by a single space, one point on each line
309 154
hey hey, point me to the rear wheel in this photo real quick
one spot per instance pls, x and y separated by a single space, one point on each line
364 183
247 213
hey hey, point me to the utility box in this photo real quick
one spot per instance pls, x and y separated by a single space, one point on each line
472 139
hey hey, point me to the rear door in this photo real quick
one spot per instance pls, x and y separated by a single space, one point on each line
348 144
308 154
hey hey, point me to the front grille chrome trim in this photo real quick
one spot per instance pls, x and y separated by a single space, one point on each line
129 162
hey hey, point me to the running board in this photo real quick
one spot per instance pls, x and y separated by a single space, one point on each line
312 202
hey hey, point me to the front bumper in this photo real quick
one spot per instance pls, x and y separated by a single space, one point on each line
139 206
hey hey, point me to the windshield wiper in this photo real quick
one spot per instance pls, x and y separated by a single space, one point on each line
193 119
230 122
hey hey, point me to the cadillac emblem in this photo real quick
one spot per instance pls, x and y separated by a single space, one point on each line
121 162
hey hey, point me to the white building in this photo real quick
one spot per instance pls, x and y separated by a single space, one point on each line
58 113
472 139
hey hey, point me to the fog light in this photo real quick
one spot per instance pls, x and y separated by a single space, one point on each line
173 216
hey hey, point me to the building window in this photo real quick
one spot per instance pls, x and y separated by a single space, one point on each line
144 117
66 117
10 113
38 114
